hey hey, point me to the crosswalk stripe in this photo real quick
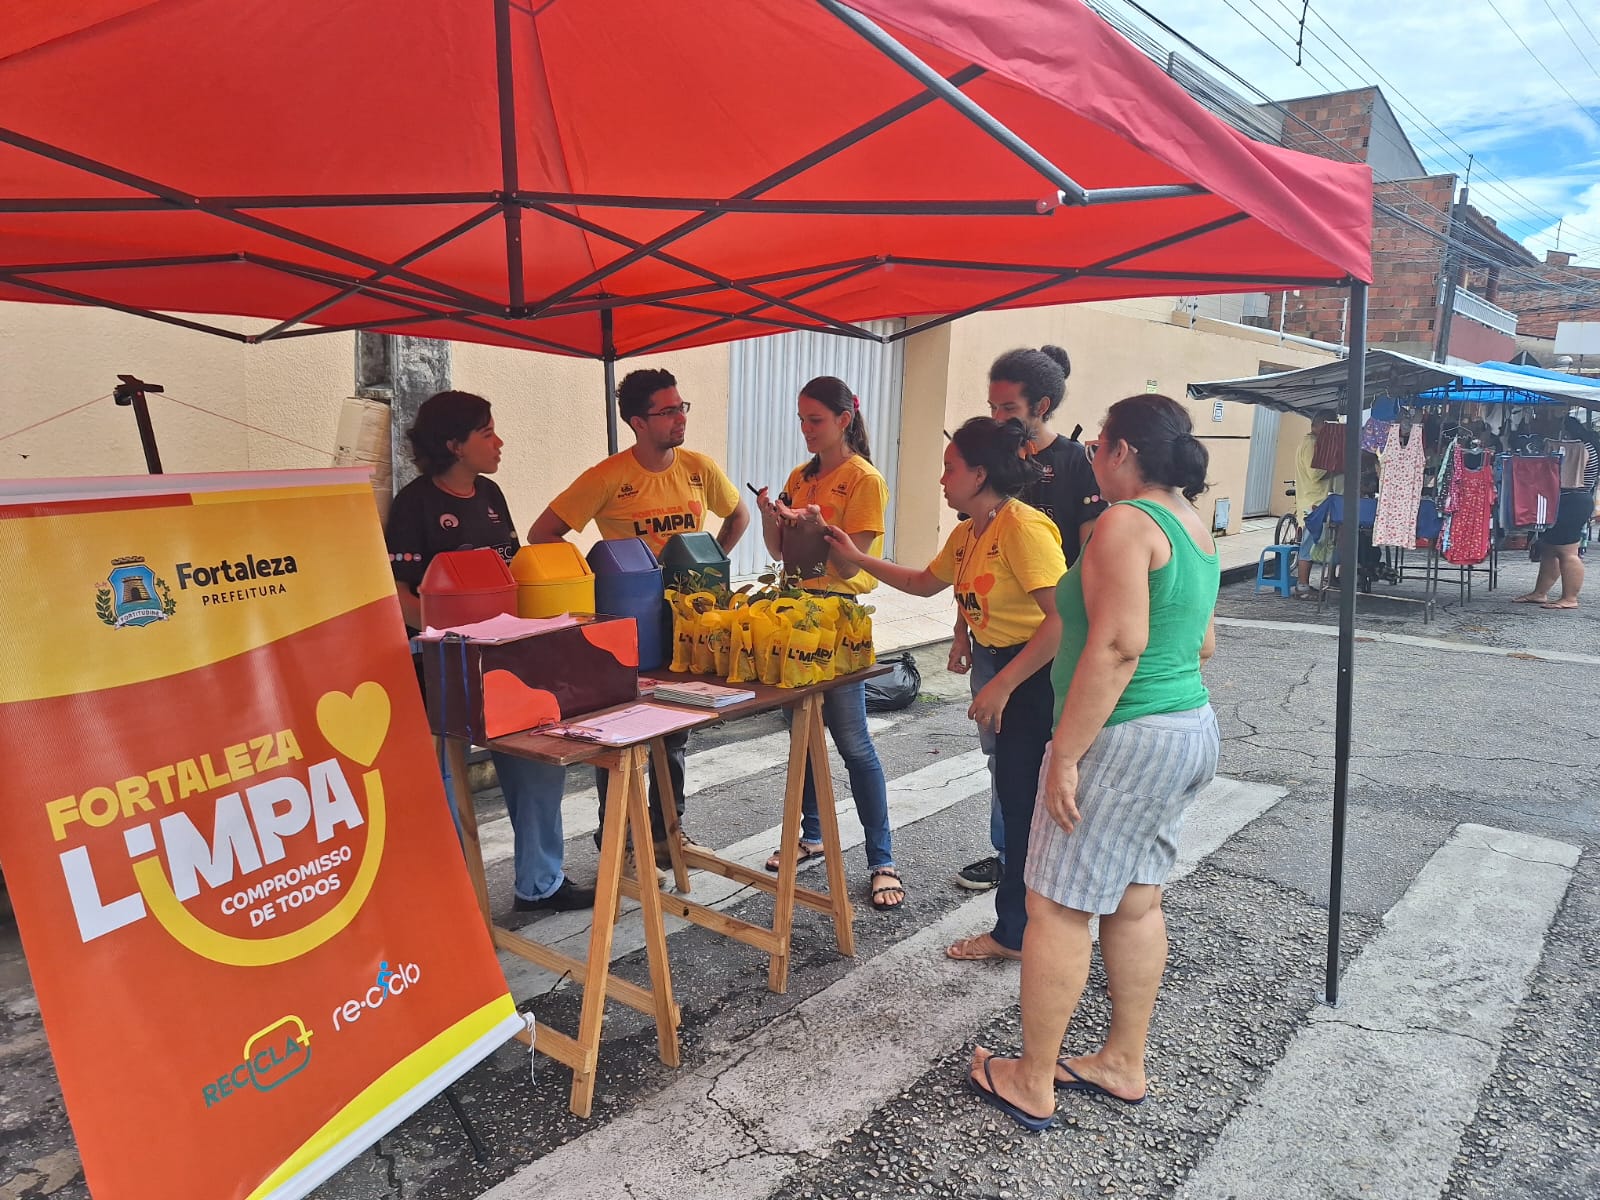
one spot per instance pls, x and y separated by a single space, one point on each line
912 796
732 1128
1307 628
1404 1058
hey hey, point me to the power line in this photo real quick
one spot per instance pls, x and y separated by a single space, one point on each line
1581 21
1572 39
1266 101
1320 82
1576 102
1465 157
1583 284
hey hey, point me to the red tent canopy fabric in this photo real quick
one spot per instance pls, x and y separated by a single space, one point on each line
611 177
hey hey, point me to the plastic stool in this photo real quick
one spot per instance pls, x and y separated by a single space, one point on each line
1279 574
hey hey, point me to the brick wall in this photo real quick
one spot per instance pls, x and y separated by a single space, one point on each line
1540 307
1345 118
1402 304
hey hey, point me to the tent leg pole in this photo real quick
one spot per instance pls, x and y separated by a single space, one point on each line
609 356
1349 549
132 391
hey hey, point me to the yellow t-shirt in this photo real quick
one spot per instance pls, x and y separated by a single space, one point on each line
625 500
852 496
995 573
1311 486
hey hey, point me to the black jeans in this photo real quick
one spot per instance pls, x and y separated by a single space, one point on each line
677 749
1018 754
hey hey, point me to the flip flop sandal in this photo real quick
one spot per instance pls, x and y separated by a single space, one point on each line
887 889
1088 1086
1021 1116
961 951
806 855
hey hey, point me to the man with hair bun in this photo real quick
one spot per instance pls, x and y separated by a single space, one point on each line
1029 386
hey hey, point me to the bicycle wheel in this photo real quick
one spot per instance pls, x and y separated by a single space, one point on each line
1287 532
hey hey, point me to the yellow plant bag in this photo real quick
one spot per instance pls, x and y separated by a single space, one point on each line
825 612
800 657
717 625
859 639
741 646
767 633
684 620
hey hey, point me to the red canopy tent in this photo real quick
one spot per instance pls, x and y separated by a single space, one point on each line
702 171
613 177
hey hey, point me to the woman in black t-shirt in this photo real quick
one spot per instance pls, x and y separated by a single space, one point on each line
453 505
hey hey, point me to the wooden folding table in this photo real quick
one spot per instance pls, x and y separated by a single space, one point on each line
626 817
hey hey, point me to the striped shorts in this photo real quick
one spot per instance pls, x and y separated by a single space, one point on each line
1134 785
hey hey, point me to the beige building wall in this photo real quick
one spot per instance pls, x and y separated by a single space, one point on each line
551 411
1118 349
230 406
1292 430
227 406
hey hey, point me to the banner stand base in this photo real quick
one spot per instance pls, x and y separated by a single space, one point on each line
478 1151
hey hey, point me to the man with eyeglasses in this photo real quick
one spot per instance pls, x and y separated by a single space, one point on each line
652 491
1029 386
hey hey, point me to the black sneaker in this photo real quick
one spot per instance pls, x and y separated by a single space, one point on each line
981 876
566 898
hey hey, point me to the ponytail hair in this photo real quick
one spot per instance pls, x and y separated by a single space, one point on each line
1159 428
996 448
835 395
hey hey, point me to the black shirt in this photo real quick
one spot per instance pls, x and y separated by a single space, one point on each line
1068 494
426 520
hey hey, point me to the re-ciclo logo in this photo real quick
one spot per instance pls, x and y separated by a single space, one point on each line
391 983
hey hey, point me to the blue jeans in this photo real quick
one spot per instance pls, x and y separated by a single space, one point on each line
1019 751
984 668
533 802
844 712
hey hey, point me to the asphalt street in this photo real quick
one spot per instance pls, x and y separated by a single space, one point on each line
1460 1065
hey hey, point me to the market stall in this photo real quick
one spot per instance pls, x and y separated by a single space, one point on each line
1482 476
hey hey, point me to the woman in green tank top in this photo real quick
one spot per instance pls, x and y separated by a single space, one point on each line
1135 742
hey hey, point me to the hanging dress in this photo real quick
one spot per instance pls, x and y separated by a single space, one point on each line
1471 506
1401 491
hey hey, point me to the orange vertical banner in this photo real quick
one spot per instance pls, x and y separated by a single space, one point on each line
226 839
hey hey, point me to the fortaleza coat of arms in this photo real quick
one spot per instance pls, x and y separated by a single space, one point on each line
132 595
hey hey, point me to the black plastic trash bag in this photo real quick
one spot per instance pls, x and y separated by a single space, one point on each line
898 689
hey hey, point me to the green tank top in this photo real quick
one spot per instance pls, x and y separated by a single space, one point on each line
1183 595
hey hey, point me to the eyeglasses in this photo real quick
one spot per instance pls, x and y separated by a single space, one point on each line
672 410
1092 447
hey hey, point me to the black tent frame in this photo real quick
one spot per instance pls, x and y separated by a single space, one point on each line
430 300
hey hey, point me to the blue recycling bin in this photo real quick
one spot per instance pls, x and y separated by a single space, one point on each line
627 583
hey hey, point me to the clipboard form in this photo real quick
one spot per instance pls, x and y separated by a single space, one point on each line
628 725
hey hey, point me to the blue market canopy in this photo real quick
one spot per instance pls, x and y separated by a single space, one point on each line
1389 373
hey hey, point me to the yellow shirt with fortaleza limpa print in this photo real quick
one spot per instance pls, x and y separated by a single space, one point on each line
854 497
624 500
996 572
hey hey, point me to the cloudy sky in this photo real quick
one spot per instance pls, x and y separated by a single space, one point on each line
1514 83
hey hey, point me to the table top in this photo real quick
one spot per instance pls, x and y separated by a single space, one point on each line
563 752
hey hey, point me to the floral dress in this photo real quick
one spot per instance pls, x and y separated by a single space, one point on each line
1401 491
